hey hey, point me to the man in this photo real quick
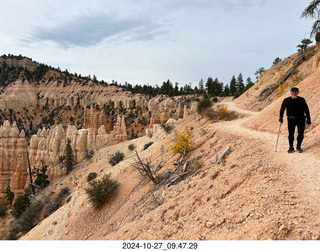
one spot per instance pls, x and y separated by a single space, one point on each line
297 108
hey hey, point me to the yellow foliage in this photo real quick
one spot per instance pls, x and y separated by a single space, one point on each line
183 144
220 113
292 82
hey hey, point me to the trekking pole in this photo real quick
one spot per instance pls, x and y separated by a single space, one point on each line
278 137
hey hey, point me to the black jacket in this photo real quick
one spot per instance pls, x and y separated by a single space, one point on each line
295 107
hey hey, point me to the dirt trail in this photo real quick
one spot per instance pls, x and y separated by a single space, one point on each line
304 167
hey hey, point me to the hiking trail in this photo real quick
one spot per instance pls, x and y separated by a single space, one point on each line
303 167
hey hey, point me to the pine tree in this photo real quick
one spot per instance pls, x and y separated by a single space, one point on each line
233 85
9 194
69 156
217 87
201 87
209 86
41 176
240 84
226 91
248 85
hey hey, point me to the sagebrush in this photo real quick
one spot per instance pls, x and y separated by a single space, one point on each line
116 158
100 190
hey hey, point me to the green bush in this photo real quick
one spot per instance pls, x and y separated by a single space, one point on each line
131 147
20 205
3 210
91 176
116 158
100 190
146 146
203 105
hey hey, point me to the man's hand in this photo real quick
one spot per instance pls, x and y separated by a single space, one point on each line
281 120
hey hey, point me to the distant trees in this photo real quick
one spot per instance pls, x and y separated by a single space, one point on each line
214 87
304 44
233 85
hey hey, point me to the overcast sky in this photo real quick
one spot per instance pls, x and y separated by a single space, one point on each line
148 41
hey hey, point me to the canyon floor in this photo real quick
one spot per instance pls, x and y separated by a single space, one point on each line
255 193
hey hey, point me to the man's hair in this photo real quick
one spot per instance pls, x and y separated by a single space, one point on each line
294 89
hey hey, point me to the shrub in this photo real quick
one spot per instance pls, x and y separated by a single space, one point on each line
116 158
146 146
9 194
91 176
131 147
204 104
100 190
20 205
219 113
3 210
222 113
183 144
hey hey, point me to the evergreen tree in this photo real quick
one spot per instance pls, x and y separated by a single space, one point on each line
304 44
176 89
201 87
41 176
276 60
233 85
312 11
259 72
217 87
9 194
248 85
226 91
69 156
240 84
209 86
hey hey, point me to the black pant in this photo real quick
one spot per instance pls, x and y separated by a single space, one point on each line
292 124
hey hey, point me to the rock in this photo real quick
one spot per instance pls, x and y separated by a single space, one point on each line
209 224
13 161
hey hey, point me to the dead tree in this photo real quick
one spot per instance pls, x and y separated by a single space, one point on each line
145 168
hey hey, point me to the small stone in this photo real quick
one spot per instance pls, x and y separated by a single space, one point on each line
209 224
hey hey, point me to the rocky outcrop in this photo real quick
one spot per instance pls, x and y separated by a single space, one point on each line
162 110
120 130
13 161
95 119
48 146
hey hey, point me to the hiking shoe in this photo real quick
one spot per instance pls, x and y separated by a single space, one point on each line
291 150
299 150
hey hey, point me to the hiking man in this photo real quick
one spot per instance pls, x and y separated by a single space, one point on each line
297 108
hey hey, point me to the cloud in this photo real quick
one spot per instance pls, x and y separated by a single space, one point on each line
88 30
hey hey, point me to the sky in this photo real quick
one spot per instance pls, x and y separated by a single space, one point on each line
149 42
